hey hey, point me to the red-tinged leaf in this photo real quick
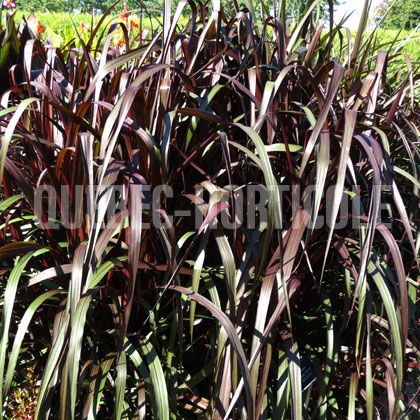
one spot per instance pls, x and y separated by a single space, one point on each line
5 140
295 375
402 279
365 90
169 25
225 387
115 63
292 285
338 73
399 203
322 165
201 41
396 102
48 273
374 203
261 316
103 240
241 87
354 380
350 122
358 38
78 276
204 115
297 230
18 248
233 338
379 66
99 24
299 26
311 49
196 275
390 387
214 210
135 215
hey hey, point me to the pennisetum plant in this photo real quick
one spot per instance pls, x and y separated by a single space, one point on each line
158 258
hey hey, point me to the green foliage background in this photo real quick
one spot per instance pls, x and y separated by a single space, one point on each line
71 5
404 15
58 25
102 5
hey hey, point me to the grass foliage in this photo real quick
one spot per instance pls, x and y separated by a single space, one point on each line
178 321
61 28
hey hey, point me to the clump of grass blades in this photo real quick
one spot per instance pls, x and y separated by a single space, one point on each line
173 320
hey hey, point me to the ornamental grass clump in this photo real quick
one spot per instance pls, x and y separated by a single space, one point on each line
221 223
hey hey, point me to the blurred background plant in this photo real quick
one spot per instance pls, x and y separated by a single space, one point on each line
405 14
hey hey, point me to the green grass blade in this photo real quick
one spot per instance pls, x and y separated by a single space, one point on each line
9 302
120 386
160 392
5 141
23 326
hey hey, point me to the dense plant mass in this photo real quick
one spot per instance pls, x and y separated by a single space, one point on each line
158 258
